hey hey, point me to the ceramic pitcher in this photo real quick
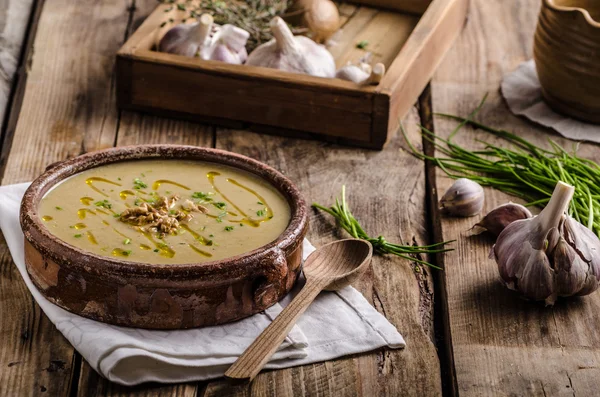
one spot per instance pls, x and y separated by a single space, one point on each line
567 57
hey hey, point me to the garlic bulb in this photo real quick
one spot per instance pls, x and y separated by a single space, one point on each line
291 53
187 39
227 44
551 254
464 198
362 73
500 217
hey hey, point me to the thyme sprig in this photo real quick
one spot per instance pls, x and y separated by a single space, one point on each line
522 169
341 212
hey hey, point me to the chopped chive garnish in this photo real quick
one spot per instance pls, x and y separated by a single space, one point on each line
260 212
103 203
127 241
201 196
78 235
139 184
228 228
220 205
58 208
259 203
156 250
362 44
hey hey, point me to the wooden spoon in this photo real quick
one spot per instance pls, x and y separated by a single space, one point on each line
331 267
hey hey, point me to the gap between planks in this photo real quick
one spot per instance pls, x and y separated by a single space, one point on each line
443 334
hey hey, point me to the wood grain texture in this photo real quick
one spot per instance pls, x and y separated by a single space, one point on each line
67 108
331 267
386 192
414 66
502 344
412 6
14 17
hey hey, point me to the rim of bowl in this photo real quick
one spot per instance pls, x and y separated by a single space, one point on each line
40 237
586 13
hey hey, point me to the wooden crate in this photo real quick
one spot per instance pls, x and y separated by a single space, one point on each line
409 36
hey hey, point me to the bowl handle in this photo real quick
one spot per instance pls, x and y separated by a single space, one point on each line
271 279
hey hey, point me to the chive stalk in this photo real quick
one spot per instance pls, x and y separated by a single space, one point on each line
341 212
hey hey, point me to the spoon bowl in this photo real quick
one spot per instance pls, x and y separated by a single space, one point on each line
340 262
331 267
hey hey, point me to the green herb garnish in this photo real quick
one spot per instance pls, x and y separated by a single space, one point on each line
260 213
211 235
220 205
116 215
259 203
180 7
523 169
156 250
59 208
78 235
137 201
127 241
202 196
104 204
139 184
341 212
362 44
228 228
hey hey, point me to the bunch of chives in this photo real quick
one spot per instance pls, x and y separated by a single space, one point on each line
523 169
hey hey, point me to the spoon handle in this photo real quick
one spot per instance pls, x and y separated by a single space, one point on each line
249 364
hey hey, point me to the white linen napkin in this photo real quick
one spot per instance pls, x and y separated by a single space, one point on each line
336 324
523 94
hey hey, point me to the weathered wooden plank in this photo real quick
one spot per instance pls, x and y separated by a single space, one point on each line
135 129
386 191
68 107
504 345
14 18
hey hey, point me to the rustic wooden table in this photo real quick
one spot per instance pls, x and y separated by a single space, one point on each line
465 334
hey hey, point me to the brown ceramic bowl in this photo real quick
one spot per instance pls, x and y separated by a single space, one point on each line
567 57
161 296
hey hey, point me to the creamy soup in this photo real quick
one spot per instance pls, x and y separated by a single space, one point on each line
165 211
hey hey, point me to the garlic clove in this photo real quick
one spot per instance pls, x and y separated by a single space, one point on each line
500 217
187 39
464 198
297 54
362 73
376 75
354 73
571 271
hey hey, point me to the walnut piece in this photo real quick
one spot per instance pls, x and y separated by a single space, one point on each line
159 217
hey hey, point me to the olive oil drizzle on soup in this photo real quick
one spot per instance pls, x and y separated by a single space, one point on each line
165 211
